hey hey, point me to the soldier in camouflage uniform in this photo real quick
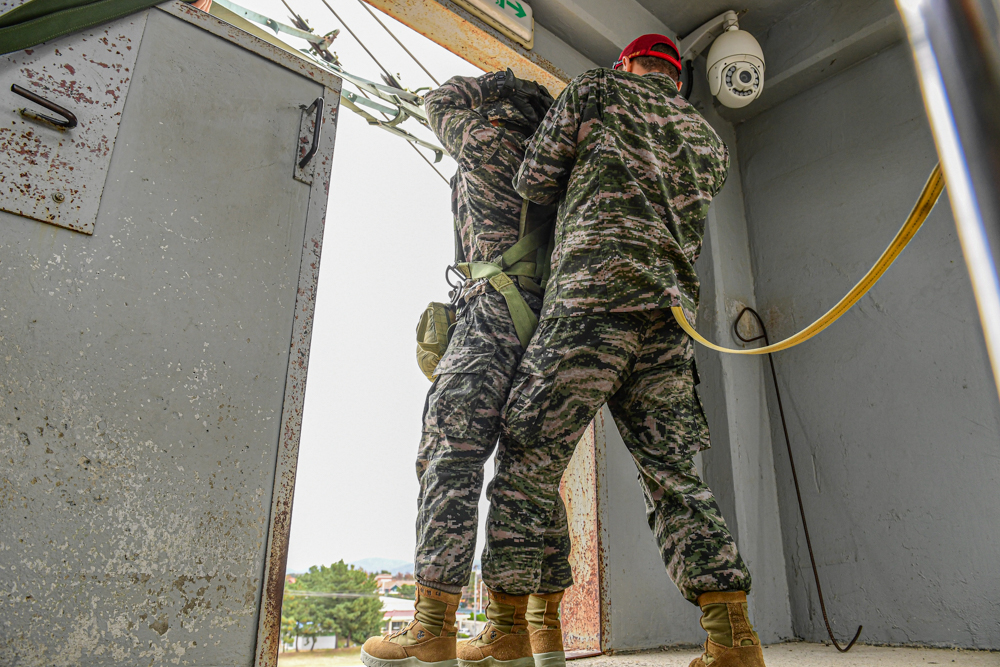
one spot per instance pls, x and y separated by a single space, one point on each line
484 125
636 168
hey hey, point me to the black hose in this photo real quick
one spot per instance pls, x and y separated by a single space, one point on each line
795 477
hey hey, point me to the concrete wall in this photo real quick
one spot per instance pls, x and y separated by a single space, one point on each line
643 607
892 412
739 467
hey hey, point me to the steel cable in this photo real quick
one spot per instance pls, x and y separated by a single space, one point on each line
388 74
403 46
356 38
795 477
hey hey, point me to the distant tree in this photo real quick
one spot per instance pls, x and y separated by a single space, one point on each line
407 592
353 618
289 629
320 624
359 619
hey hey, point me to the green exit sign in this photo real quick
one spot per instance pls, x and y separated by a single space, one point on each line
511 17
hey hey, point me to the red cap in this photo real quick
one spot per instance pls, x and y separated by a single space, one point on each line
643 46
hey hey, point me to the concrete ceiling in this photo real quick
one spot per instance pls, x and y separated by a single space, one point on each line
600 29
756 16
804 41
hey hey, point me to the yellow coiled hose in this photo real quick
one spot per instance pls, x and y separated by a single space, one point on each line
931 192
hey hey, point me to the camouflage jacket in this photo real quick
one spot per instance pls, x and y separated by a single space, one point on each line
487 210
636 168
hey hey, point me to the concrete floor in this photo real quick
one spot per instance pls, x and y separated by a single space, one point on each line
801 654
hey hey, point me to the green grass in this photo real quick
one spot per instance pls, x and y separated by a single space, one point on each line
333 657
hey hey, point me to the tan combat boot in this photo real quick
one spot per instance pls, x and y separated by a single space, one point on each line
545 629
428 641
504 642
731 640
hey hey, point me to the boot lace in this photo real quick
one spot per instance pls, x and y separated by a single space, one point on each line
488 629
403 631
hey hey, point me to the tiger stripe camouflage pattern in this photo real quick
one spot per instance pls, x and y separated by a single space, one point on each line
461 422
484 204
636 168
641 365
461 427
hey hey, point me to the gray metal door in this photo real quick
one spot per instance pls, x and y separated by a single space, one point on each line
151 369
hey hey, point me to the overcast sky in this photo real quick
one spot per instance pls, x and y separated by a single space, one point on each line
388 240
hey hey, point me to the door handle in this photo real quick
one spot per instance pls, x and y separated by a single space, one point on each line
318 106
69 121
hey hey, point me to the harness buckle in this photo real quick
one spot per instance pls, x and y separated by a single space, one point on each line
452 270
456 287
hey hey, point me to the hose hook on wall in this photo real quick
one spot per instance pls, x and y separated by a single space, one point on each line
795 477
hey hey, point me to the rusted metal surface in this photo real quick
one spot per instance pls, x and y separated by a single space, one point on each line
268 640
54 175
467 37
153 373
603 421
581 607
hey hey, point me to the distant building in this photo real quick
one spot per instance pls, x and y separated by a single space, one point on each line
389 584
471 597
470 628
396 614
381 580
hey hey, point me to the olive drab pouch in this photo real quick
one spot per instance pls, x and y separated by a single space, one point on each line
433 333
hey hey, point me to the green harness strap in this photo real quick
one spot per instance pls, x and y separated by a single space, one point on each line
527 245
531 274
38 21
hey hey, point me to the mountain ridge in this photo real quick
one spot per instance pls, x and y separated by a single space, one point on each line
376 565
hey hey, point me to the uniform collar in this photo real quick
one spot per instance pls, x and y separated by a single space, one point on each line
660 77
664 78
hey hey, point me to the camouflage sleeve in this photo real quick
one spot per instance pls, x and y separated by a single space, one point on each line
467 136
723 172
551 153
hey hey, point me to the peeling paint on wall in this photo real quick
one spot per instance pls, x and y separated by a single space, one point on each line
581 607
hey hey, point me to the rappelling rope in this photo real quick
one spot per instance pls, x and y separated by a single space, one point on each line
925 203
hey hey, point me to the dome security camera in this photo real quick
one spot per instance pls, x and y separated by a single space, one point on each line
736 68
735 62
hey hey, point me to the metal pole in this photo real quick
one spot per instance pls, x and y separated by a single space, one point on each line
957 54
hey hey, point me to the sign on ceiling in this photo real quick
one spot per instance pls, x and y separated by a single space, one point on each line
513 18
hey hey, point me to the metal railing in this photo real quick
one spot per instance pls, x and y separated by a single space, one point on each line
956 48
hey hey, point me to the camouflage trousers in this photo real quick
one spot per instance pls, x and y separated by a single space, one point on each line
460 432
641 365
